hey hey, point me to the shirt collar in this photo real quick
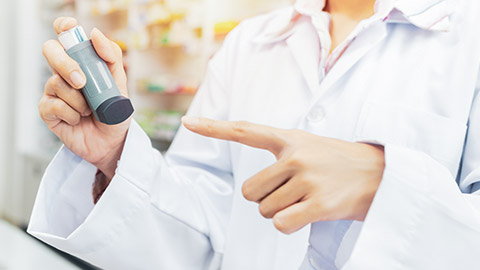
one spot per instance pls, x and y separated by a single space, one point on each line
432 15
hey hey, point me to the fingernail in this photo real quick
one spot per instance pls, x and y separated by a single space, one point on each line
77 79
190 121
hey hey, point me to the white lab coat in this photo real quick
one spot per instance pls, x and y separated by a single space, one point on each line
404 82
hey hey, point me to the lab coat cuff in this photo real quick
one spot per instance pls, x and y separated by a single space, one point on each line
108 220
64 192
64 215
139 160
398 207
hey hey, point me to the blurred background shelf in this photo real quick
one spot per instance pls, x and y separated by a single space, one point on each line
166 44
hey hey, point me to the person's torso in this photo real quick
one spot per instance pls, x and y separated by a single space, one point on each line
395 84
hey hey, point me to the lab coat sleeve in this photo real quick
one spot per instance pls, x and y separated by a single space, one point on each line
159 212
422 217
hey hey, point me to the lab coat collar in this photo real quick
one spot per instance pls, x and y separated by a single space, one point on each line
432 15
279 27
305 47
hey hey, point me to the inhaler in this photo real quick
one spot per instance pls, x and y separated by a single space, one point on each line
100 91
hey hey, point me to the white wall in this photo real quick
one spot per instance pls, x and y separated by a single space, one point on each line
20 90
6 101
27 125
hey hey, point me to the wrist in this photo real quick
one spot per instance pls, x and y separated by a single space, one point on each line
99 186
108 164
375 156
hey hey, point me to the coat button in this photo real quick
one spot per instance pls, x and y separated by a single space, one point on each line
316 115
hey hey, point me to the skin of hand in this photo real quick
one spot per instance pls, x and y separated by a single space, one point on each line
65 110
314 179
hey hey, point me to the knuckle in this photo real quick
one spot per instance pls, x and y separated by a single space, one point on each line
75 119
65 64
209 128
319 208
41 107
83 104
303 181
296 136
294 160
264 210
57 107
55 82
239 130
328 209
46 46
246 191
50 81
281 226
284 135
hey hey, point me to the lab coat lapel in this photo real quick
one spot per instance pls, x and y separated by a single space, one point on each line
305 48
427 14
362 44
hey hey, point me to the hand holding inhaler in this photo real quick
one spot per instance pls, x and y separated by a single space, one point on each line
94 127
100 91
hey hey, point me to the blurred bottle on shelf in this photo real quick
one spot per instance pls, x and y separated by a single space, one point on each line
167 84
106 7
163 25
221 29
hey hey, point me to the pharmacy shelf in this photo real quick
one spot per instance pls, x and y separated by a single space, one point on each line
169 51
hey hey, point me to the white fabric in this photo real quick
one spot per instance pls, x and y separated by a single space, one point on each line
401 82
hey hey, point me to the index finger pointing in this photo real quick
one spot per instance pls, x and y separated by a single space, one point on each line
254 135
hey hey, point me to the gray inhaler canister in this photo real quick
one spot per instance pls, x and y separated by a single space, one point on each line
100 91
